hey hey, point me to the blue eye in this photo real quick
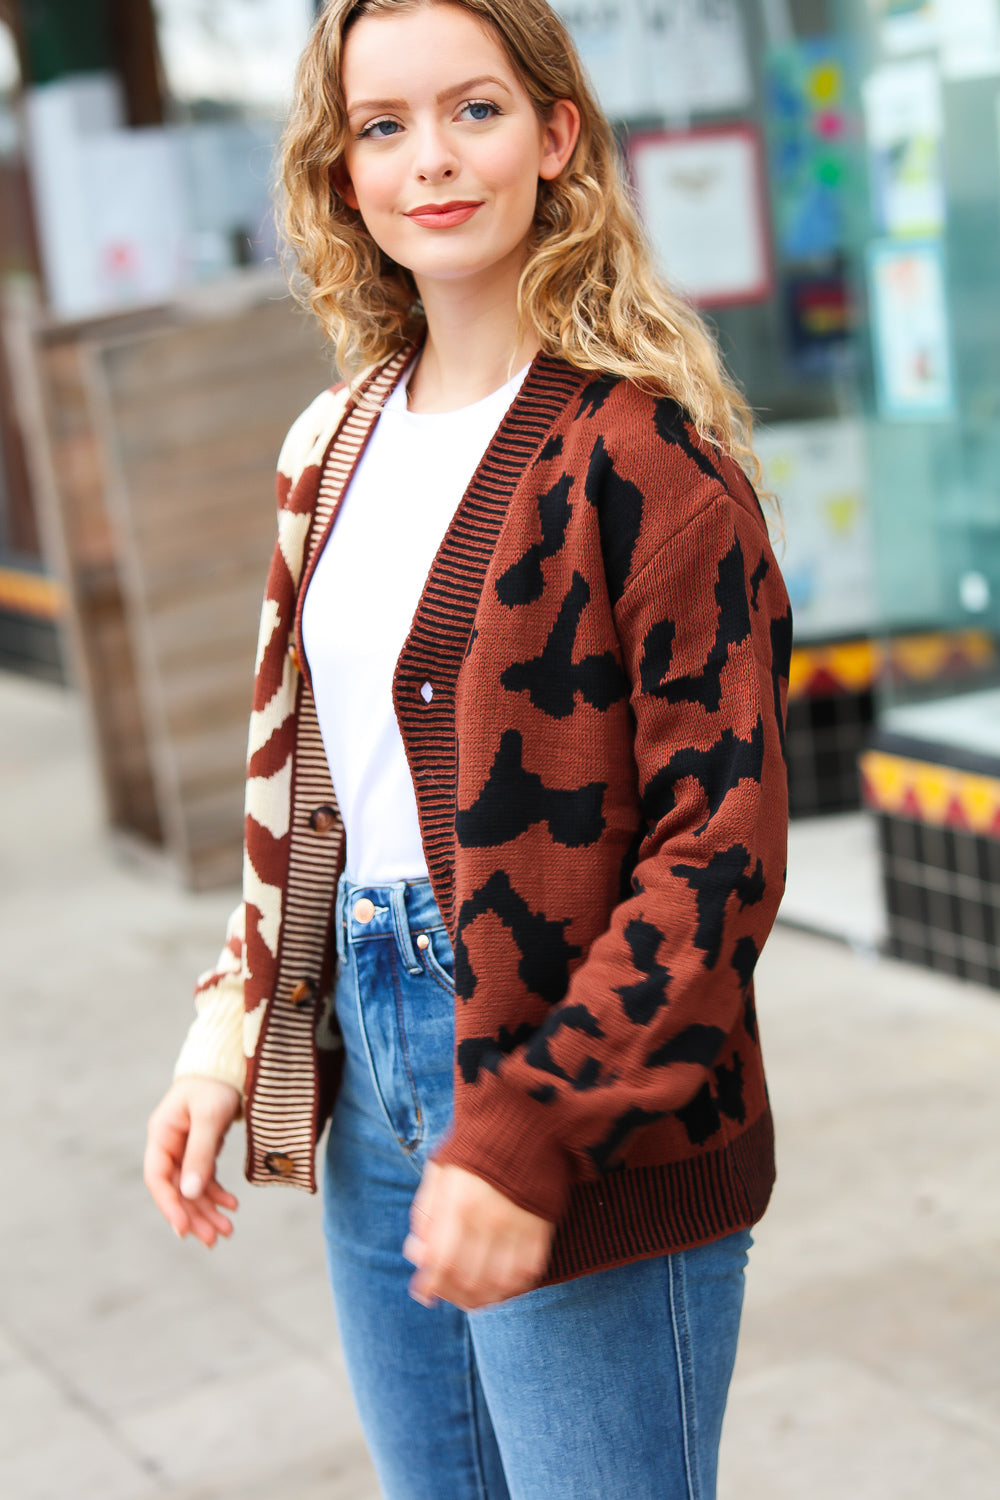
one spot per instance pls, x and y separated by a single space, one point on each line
379 130
480 109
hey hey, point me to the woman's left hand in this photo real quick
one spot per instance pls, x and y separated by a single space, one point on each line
471 1245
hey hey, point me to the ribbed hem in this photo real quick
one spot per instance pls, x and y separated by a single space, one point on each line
213 1047
630 1213
637 1212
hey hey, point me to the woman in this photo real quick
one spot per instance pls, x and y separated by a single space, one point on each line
542 655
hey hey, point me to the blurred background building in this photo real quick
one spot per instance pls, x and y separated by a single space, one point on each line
136 147
821 176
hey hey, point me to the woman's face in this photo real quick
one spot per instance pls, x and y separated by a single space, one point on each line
445 148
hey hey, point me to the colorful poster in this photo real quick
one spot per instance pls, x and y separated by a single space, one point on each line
910 330
820 320
702 197
818 471
807 131
904 120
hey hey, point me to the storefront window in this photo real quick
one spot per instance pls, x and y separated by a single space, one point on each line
823 178
927 253
927 259
738 125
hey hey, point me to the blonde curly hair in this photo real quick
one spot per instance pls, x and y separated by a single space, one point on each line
589 289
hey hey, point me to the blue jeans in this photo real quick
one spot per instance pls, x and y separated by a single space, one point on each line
608 1387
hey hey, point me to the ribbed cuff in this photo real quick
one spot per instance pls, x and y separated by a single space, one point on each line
213 1047
512 1145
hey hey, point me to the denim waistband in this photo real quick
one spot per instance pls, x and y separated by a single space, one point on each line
402 911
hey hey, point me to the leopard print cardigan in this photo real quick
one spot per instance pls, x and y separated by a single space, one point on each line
592 700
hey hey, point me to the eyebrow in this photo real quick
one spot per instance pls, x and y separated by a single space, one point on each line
442 98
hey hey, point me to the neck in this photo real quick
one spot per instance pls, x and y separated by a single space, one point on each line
473 344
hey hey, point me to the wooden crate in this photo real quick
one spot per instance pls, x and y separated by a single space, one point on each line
154 438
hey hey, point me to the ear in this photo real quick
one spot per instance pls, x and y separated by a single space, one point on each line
559 137
343 185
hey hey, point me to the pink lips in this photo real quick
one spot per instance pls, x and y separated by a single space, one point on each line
443 215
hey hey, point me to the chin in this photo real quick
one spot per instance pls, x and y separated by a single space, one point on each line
456 266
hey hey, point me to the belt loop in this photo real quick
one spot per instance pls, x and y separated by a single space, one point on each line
402 926
340 919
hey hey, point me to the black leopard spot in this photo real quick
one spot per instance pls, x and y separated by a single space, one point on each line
552 680
744 960
523 582
781 658
643 999
619 516
545 954
672 425
594 395
700 1118
551 448
539 1053
477 1053
714 883
757 578
514 799
705 686
695 1044
729 1082
718 769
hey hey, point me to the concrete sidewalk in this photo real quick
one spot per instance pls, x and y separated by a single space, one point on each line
134 1366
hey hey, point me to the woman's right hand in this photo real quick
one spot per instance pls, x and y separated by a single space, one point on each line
184 1137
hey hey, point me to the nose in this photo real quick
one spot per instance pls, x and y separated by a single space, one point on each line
435 159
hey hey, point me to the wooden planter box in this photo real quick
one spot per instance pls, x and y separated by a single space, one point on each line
153 438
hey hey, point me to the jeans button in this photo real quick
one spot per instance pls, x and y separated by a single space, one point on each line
364 910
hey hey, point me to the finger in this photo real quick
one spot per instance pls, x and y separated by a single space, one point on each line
207 1210
420 1220
455 1273
414 1250
459 1258
199 1217
202 1229
484 1275
207 1224
198 1167
218 1195
160 1177
422 1207
420 1291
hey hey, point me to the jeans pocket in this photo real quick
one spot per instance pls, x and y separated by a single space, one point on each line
438 958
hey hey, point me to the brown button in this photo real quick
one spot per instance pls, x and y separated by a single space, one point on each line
293 653
364 910
279 1165
323 819
423 941
304 992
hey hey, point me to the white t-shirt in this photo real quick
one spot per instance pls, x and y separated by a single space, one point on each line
360 605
